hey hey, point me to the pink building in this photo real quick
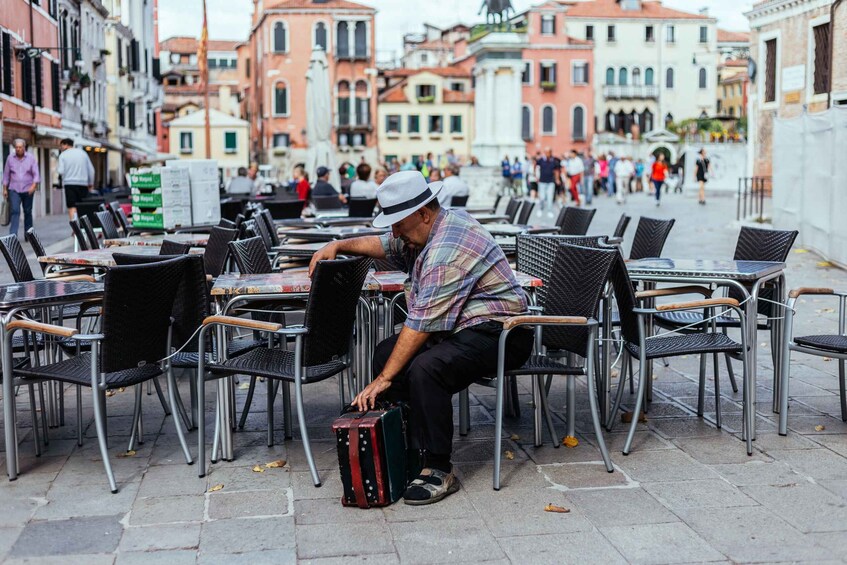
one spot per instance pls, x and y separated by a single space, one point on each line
273 65
558 94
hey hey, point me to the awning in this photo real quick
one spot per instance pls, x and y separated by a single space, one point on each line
139 147
46 131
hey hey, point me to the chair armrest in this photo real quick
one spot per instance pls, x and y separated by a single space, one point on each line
243 323
797 292
40 327
74 278
540 320
611 240
673 291
692 304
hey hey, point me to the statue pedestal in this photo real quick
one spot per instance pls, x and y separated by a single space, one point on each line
497 99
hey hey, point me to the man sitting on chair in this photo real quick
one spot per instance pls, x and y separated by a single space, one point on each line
460 282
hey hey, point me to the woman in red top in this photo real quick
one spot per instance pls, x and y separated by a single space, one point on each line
302 180
658 174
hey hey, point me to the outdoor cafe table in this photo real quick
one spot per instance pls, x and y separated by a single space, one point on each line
155 240
330 234
15 298
518 229
747 277
490 218
102 258
345 221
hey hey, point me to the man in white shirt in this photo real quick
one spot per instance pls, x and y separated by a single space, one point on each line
76 172
241 184
624 169
453 186
574 167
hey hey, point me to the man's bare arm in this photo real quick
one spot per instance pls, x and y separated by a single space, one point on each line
370 246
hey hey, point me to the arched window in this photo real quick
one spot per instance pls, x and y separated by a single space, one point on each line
360 37
362 103
622 77
669 78
610 76
702 77
636 76
280 99
648 76
343 103
732 111
578 123
526 123
320 35
342 45
645 121
548 120
610 121
280 37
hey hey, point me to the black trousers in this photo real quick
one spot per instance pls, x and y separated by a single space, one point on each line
440 370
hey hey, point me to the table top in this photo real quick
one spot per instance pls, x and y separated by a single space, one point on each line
329 234
487 218
100 257
479 209
300 249
43 292
703 268
516 229
296 282
194 239
322 222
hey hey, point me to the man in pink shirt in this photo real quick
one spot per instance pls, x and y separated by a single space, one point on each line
20 180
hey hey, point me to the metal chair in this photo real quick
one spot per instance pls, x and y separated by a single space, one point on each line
13 251
638 344
107 225
321 349
575 221
174 248
512 209
76 229
568 327
460 201
137 304
620 229
287 210
251 256
326 203
230 209
819 345
526 212
50 271
270 228
217 250
93 242
361 207
113 207
650 237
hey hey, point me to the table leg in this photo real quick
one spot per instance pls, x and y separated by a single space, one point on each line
606 377
778 328
9 421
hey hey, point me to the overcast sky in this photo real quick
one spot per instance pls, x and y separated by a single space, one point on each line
230 19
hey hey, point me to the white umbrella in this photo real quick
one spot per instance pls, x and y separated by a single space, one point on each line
319 119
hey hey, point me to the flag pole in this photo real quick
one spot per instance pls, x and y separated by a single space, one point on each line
203 61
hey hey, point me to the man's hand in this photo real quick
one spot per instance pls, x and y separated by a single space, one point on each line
5 193
366 399
32 189
326 253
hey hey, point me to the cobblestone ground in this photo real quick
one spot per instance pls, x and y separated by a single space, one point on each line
687 493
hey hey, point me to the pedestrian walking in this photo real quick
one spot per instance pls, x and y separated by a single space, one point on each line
610 186
506 173
703 170
531 174
603 163
589 164
624 169
548 178
76 174
20 181
517 177
658 174
575 169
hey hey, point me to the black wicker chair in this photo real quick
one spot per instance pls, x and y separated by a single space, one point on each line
575 221
15 256
361 207
526 212
50 271
650 237
90 234
288 210
107 224
224 223
637 344
231 209
512 209
250 255
113 207
79 236
568 327
174 248
321 350
270 227
217 250
623 223
138 301
459 201
322 203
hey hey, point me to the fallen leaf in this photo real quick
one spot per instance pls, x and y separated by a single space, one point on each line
570 441
129 453
216 488
244 386
824 264
110 393
275 464
258 469
509 455
820 428
801 251
514 437
827 358
626 417
825 310
614 374
558 509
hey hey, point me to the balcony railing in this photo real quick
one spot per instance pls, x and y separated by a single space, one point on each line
630 91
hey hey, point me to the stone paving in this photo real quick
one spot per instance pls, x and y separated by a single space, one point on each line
687 493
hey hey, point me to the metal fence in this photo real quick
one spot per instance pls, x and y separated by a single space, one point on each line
754 193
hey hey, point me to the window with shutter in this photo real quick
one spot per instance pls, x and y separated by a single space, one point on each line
548 120
230 142
320 35
770 70
360 36
131 115
279 37
121 106
822 49
280 99
6 71
39 82
456 124
55 91
526 123
578 123
26 80
669 78
342 46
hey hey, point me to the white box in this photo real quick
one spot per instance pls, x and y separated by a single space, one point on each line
205 202
198 169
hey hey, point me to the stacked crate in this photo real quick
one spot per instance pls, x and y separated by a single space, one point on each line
205 189
161 197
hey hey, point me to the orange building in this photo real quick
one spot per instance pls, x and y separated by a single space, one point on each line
29 83
272 71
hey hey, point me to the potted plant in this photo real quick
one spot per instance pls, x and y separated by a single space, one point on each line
105 52
75 75
426 99
84 80
548 85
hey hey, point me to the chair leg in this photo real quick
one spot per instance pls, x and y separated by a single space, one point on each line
842 387
161 396
304 431
610 419
271 390
785 370
201 419
571 392
247 403
79 415
595 415
286 415
192 392
701 392
731 372
44 411
464 412
136 412
498 428
717 390
631 378
173 395
545 408
642 383
99 398
513 395
180 407
34 414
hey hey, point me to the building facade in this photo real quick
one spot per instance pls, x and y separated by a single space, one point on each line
228 135
426 111
733 85
275 63
799 48
30 94
652 65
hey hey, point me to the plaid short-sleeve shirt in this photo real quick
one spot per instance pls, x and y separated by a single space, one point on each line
460 278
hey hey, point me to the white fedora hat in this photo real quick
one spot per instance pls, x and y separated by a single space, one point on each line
401 194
